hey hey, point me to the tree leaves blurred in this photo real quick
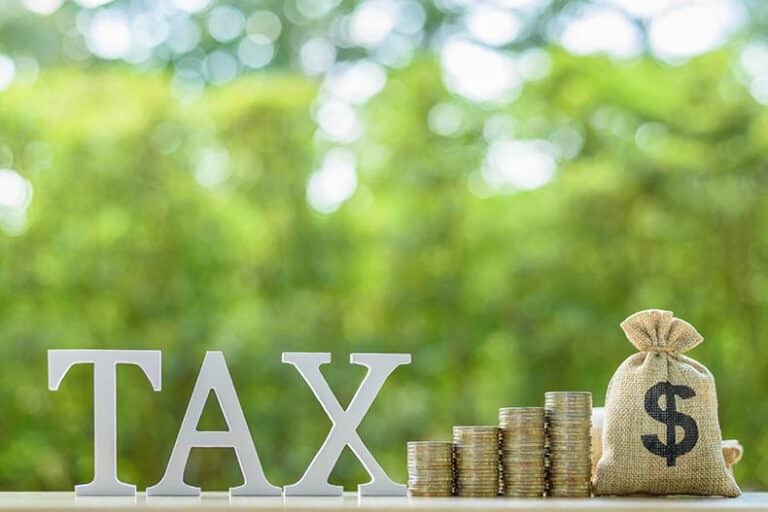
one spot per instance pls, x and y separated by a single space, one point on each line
183 225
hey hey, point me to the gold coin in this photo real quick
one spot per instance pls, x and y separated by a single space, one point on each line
568 421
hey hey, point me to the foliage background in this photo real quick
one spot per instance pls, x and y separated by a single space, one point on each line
499 296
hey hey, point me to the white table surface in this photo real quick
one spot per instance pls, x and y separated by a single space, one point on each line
220 501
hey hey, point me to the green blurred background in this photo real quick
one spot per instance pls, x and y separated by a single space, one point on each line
490 186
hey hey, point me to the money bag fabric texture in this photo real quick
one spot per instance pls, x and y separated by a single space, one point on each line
661 433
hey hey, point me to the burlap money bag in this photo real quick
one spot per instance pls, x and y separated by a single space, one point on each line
661 434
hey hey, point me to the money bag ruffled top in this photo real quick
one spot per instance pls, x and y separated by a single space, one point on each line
661 433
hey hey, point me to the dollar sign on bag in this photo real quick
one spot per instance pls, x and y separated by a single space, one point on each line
671 418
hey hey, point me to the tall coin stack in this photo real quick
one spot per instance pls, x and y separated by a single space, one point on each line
476 452
568 421
430 468
522 451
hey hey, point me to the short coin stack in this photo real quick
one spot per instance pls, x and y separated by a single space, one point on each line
568 422
430 468
522 451
476 450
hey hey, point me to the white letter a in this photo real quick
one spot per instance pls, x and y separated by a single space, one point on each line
214 376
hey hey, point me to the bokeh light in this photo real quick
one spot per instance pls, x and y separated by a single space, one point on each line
519 164
225 23
15 198
478 73
7 71
601 30
492 25
673 35
334 182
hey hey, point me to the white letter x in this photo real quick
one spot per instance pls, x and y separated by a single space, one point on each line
345 422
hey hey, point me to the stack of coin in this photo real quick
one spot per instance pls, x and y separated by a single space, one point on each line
732 452
522 451
476 452
568 422
430 468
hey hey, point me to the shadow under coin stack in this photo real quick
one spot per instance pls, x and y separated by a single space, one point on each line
568 421
430 468
476 452
522 451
